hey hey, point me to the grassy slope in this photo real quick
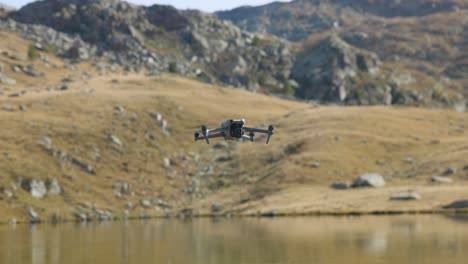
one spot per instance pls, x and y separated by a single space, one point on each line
346 141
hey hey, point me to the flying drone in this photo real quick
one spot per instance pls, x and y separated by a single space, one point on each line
232 129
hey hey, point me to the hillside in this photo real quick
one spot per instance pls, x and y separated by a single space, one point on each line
161 38
419 40
298 19
82 144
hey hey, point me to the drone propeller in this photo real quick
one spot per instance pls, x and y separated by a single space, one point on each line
205 133
270 133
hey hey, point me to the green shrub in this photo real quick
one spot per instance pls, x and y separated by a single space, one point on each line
32 52
173 67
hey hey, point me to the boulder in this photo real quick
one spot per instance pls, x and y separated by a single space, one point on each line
37 188
116 140
6 80
369 180
340 185
334 71
216 208
437 179
33 216
315 165
146 204
406 196
53 187
450 171
461 204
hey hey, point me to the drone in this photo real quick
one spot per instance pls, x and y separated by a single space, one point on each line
232 129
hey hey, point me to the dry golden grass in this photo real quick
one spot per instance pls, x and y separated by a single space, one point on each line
346 141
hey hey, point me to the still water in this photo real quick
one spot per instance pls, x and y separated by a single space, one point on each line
369 239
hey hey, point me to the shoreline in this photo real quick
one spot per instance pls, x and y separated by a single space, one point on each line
182 216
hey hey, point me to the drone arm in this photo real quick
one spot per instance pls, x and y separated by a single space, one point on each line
269 132
255 130
202 137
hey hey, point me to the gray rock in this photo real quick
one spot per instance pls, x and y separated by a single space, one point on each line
466 167
406 196
125 189
9 108
216 208
17 94
37 188
116 140
16 68
6 80
33 216
438 179
146 204
461 204
369 180
223 158
8 194
129 205
221 145
46 142
315 165
450 171
340 185
53 188
167 162
31 71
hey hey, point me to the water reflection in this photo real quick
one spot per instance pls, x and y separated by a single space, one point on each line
396 239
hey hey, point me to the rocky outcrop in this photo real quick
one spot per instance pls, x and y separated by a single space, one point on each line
369 180
162 38
298 19
334 71
5 10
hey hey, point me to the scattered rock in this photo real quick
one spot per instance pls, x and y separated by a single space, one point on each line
46 142
129 205
221 145
223 158
380 162
315 165
23 108
8 194
31 71
116 140
145 204
37 188
125 189
450 171
340 185
369 180
53 188
7 80
16 68
34 217
216 208
17 94
9 108
461 204
438 179
409 160
406 196
80 216
167 162
121 109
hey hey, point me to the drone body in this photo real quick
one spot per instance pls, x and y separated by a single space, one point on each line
230 130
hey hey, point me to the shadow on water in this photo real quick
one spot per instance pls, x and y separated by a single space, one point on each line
366 239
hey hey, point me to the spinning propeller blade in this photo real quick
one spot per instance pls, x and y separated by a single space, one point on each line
270 133
205 134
